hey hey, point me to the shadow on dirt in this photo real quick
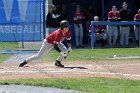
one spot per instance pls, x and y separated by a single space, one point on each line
76 67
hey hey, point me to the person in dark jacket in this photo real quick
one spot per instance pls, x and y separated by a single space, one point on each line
53 17
126 15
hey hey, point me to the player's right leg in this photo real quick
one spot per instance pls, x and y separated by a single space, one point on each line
81 36
76 29
63 54
109 35
115 35
127 32
46 47
136 31
122 33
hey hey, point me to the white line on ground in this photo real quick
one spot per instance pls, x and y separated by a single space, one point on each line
45 71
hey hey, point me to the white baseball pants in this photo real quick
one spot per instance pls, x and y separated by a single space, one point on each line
124 35
78 33
112 32
46 47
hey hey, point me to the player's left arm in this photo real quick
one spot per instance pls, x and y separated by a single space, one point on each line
68 37
69 43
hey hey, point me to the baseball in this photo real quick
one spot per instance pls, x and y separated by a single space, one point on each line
114 55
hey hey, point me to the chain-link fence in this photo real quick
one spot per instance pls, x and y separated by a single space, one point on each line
21 24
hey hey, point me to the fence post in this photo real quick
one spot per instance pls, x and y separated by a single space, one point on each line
44 19
22 39
139 33
92 35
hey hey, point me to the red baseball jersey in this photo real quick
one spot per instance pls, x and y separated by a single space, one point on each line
111 15
137 17
100 27
78 16
58 36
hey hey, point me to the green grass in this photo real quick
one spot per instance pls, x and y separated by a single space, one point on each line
16 46
4 57
94 54
86 85
8 45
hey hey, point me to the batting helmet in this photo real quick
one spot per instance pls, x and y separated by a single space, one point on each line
64 24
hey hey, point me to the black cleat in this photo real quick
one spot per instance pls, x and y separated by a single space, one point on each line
58 63
22 64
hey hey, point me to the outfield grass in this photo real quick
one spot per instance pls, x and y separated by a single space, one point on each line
86 85
4 57
9 46
17 46
94 54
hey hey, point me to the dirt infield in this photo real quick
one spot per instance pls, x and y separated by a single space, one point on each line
111 69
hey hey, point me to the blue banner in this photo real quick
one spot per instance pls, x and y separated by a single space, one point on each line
21 20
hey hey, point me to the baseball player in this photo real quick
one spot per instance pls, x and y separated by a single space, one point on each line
137 18
126 15
78 16
112 31
100 32
54 40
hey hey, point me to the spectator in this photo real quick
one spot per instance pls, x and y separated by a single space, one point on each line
71 10
100 32
53 17
89 16
126 15
136 29
64 13
78 17
112 30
